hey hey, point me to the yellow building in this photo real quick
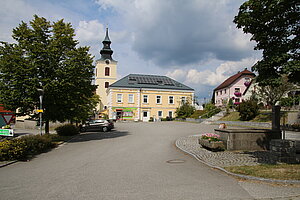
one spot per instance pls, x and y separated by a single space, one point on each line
106 72
140 97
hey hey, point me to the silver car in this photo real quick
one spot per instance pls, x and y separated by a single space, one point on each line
97 125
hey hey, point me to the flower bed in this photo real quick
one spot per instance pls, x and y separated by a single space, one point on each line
211 141
238 94
247 83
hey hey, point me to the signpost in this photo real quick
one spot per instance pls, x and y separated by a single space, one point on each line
7 132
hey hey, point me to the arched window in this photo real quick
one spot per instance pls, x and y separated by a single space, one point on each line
106 84
106 71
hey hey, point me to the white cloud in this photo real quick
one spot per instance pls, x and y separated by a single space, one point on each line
175 32
89 31
178 74
210 78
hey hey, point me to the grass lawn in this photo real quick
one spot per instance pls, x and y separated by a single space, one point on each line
233 116
262 117
280 171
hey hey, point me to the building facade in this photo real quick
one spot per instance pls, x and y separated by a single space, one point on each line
141 97
105 72
233 88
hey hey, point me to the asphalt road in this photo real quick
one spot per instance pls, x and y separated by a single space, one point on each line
136 161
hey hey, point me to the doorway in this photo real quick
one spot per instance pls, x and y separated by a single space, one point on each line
145 116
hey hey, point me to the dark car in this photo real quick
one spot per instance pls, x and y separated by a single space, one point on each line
97 125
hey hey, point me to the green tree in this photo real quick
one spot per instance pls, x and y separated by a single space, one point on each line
46 56
274 25
185 110
271 94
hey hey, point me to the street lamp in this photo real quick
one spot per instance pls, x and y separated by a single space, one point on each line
41 92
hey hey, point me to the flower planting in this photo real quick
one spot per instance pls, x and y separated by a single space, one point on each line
247 84
211 142
210 137
238 94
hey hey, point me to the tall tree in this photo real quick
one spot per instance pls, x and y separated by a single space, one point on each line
271 94
274 25
46 56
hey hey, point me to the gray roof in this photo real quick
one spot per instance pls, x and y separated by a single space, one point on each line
149 81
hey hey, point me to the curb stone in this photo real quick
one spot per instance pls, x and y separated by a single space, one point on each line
7 163
237 175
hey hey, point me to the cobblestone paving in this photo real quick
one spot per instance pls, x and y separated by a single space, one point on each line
225 158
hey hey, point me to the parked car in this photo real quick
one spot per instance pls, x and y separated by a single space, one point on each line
97 125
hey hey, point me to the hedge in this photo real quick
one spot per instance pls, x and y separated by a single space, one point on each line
21 148
67 130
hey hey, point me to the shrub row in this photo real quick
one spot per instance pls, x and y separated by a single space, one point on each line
21 148
67 130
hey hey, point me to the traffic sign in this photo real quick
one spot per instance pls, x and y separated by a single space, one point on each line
40 111
6 132
7 118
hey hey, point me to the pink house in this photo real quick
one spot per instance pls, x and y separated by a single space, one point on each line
233 87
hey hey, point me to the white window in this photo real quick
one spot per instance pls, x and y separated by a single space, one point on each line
221 92
160 113
119 98
237 89
183 100
158 99
130 98
225 91
171 114
145 98
171 99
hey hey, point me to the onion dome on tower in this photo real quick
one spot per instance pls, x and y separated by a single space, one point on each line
106 51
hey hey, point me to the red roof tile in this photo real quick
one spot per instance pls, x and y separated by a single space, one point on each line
233 78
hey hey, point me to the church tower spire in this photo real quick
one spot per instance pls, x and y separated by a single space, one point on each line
106 51
105 72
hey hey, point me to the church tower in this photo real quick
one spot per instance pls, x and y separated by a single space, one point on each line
106 72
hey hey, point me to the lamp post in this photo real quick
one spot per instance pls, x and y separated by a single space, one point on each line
41 92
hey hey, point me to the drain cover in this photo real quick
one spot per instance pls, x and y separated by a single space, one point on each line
175 161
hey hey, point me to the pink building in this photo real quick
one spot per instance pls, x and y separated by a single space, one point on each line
233 87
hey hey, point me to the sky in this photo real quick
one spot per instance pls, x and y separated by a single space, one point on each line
192 41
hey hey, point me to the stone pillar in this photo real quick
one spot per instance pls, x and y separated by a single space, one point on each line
276 122
283 150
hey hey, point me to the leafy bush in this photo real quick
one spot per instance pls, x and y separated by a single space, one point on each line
67 130
37 144
20 148
12 149
185 110
151 119
248 110
230 103
290 101
211 110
